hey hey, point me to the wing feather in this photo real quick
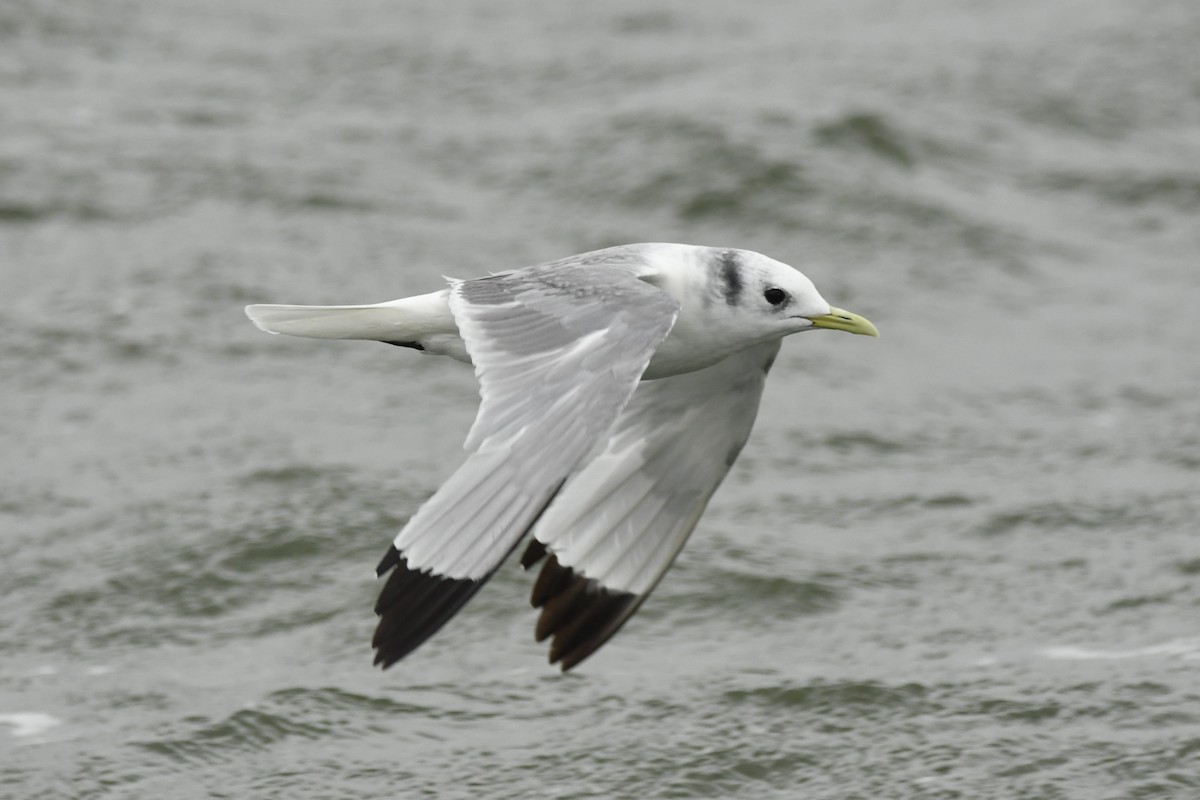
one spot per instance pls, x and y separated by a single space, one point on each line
616 526
558 351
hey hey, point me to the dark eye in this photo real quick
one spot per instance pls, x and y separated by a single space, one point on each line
775 297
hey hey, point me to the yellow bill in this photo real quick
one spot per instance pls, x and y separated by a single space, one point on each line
841 320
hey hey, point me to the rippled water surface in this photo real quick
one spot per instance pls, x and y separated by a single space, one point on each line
962 560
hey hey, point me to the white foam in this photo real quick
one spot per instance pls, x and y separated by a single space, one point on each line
28 723
1183 648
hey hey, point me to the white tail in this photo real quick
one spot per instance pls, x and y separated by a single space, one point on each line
407 320
328 322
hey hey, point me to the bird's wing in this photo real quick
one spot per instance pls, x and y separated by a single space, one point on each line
618 523
558 350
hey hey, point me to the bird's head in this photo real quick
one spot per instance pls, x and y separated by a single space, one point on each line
774 299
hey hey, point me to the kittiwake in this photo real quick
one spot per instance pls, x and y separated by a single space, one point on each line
618 387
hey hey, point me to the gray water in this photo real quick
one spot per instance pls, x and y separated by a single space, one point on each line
958 561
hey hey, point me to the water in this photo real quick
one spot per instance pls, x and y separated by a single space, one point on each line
959 561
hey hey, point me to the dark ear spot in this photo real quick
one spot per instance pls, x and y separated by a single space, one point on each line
731 277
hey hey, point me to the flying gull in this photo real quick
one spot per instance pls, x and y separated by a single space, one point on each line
617 387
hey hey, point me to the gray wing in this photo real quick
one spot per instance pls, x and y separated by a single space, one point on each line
558 350
616 526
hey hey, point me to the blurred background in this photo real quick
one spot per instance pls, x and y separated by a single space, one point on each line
958 561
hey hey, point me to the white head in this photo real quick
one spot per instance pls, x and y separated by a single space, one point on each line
731 300
765 298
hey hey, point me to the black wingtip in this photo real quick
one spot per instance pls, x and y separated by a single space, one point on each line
578 612
534 553
413 605
390 559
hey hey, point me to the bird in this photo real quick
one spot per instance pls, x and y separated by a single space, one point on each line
617 388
